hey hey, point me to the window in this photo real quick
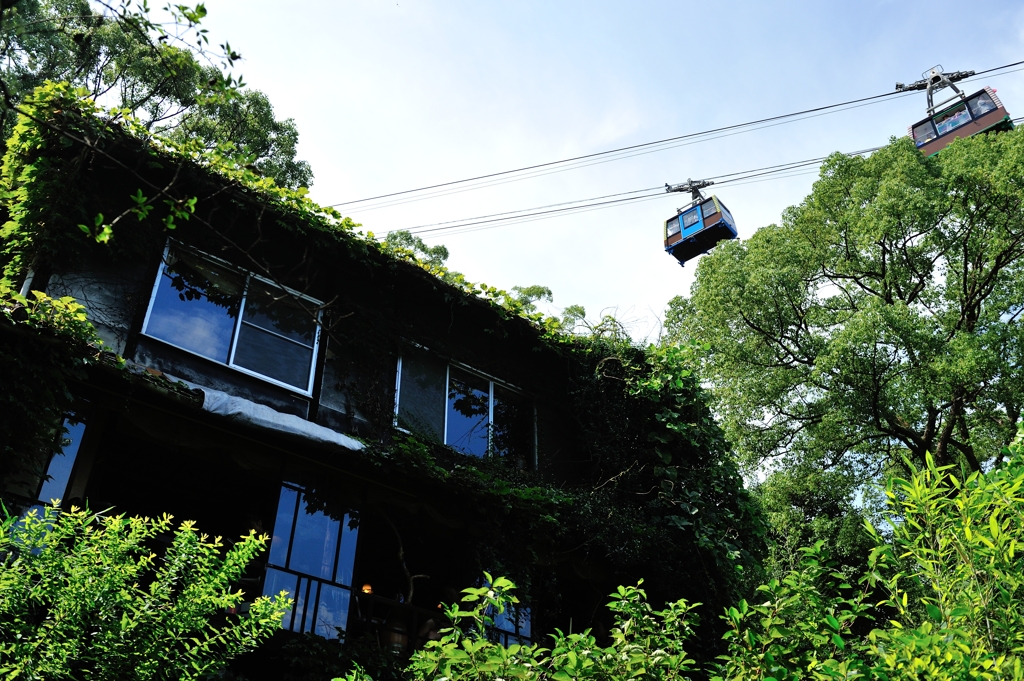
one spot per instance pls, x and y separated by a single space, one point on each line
951 119
311 557
672 227
463 409
981 104
924 133
709 208
691 218
58 472
512 626
234 317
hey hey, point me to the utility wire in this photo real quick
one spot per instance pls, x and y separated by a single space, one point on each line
550 171
654 143
512 217
611 157
617 154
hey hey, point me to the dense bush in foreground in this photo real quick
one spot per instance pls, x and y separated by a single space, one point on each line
85 596
940 600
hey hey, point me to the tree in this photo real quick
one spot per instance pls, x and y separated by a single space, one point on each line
403 241
527 296
881 318
83 595
247 119
167 80
803 506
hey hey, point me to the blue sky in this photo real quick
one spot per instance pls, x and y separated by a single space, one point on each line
396 95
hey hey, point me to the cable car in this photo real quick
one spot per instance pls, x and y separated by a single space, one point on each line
697 227
959 116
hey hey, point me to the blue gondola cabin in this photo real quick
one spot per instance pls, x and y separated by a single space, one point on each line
697 229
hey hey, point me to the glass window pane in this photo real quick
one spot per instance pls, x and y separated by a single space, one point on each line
672 227
315 543
273 356
274 583
468 413
278 311
690 218
347 555
196 305
283 527
952 119
709 208
504 621
513 426
523 619
421 398
981 105
302 598
61 464
924 133
332 611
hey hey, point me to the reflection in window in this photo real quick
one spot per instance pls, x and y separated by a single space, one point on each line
469 413
513 426
512 626
61 464
195 305
981 105
464 410
311 557
234 318
690 218
709 208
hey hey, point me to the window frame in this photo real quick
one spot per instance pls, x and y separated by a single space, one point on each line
492 381
247 276
308 584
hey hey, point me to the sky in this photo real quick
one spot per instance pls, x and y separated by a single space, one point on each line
394 95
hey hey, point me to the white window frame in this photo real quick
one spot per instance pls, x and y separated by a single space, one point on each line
491 382
247 276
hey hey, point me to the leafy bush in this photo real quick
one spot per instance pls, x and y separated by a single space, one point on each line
939 601
83 596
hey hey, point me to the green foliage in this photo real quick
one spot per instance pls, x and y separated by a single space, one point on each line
949 575
83 595
45 342
63 317
246 118
804 506
162 75
938 600
527 296
404 244
645 644
880 318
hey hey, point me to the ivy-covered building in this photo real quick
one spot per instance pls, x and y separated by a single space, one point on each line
395 430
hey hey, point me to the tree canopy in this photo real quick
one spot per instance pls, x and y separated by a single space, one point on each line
880 318
160 73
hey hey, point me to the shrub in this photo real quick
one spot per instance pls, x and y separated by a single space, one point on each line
83 596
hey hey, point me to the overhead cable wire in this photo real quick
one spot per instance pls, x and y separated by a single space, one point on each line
612 157
575 166
592 207
779 168
490 183
653 143
511 217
